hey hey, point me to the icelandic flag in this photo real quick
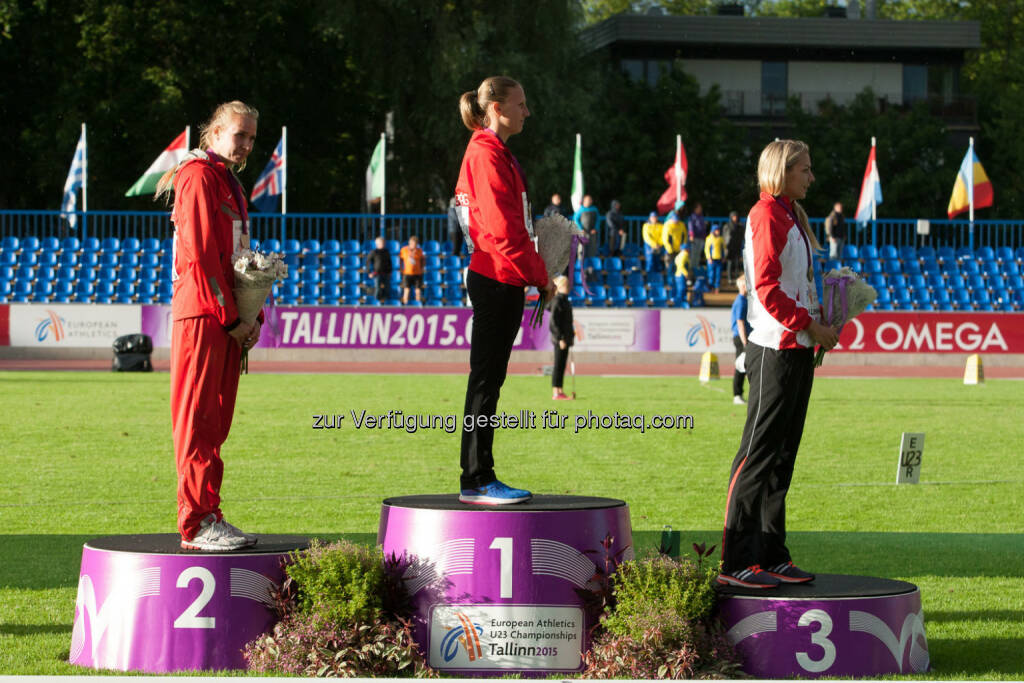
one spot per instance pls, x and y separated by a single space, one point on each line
577 177
870 189
75 181
270 184
675 176
972 189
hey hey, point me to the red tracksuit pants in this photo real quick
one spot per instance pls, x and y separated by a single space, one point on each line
205 362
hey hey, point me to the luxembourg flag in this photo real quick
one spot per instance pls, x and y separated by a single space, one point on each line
870 190
167 161
972 189
271 182
577 177
675 176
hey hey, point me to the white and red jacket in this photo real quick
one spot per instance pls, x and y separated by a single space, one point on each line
491 201
210 223
777 259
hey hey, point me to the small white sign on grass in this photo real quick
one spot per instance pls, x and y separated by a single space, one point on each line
909 467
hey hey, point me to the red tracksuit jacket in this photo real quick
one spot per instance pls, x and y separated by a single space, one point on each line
491 196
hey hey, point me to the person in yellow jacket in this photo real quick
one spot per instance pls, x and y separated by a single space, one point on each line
673 238
714 252
682 277
652 242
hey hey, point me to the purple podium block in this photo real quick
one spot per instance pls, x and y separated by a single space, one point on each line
838 625
495 588
146 605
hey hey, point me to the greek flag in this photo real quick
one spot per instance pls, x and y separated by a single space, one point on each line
75 181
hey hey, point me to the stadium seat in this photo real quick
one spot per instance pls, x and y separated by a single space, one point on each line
89 259
146 292
49 244
855 266
453 295
635 279
10 243
980 297
450 263
1015 282
42 291
613 264
68 259
130 260
921 297
29 243
577 297
271 245
892 267
598 296
310 293
292 246
883 296
311 246
877 280
985 253
352 247
109 259
28 258
110 245
990 268
614 278
1011 268
350 277
659 296
350 294
832 264
896 282
432 247
1001 295
432 262
941 298
930 267
130 245
331 276
656 280
330 262
432 277
617 296
289 293
91 244
907 253
850 252
970 267
453 277
996 282
593 263
8 258
926 253
976 282
25 273
310 275
331 248
151 245
125 291
331 294
49 259
165 288
149 260
935 282
72 244
911 267
394 247
351 262
956 282
434 295
310 261
964 253
66 274
916 282
631 263
83 291
22 291
946 254
873 266
902 300
637 296
632 250
106 274
6 274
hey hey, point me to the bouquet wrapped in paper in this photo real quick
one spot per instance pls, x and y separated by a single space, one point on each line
255 275
844 296
557 241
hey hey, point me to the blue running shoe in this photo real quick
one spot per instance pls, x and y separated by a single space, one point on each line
494 493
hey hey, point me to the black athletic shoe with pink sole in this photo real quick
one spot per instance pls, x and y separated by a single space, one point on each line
790 573
751 577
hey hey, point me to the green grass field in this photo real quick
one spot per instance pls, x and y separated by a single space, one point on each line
89 454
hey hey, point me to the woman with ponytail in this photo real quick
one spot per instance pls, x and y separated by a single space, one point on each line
211 222
495 215
783 310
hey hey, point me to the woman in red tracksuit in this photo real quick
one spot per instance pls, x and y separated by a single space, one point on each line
494 209
783 309
210 222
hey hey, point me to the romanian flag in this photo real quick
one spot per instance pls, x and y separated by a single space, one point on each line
973 189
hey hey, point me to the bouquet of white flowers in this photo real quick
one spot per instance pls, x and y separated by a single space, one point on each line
557 239
846 296
255 275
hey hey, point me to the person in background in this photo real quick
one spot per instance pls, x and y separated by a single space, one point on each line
698 232
732 233
555 207
835 230
615 229
783 309
586 218
454 229
740 332
683 277
673 238
378 262
491 192
211 222
412 268
652 243
562 335
714 252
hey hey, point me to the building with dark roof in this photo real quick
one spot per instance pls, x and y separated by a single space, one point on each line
760 62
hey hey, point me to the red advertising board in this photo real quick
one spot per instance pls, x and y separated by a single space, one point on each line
5 325
926 332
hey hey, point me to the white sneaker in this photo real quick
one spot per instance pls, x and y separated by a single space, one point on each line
250 539
214 535
738 401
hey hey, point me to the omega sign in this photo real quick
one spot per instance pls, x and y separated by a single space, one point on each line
934 332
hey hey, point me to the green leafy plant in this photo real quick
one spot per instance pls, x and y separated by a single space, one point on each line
341 582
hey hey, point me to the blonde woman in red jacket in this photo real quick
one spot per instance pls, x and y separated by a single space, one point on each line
207 337
783 310
493 208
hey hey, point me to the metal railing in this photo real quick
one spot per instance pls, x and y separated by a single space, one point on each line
362 227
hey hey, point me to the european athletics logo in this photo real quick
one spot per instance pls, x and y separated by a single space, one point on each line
51 322
702 330
467 633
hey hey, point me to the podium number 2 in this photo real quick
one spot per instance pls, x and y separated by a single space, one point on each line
503 544
819 638
189 618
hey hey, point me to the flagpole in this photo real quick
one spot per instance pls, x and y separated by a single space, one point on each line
970 192
874 203
284 170
85 182
188 138
679 185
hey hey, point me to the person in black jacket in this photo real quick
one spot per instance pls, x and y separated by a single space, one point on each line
379 263
562 335
615 229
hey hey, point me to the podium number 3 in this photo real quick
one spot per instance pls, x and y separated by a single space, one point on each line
189 618
819 638
503 544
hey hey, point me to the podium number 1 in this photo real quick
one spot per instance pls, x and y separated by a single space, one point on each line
503 544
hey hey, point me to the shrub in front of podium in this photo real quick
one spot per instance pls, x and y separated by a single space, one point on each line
661 624
344 610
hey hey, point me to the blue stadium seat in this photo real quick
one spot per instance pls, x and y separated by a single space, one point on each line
83 291
926 253
956 282
656 280
883 297
292 246
8 258
25 273
351 262
975 282
964 253
109 259
970 267
350 294
930 267
617 295
125 291
902 299
292 261
453 277
659 296
907 253
10 243
6 274
897 282
911 267
29 243
49 259
70 244
42 291
1004 254
395 278
165 289
150 245
106 274
310 293
22 291
432 277
941 296
89 259
916 282
311 246
396 263
310 261
351 277
451 263
832 264
877 280
352 247
130 245
453 295
855 266
892 267
330 262
867 251
331 276
598 296
149 260
49 244
946 254
1001 295
850 252
110 244
331 248
873 266
432 247
66 274
69 259
1015 282
130 260
394 246
434 295
637 296
432 262
28 258
593 263
980 297
577 297
146 292
331 294
631 263
289 293
1011 268
613 264
635 279
921 297
310 275
985 253
990 268
91 244
271 245
614 278
996 282
577 278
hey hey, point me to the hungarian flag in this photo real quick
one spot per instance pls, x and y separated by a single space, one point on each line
675 176
167 161
577 177
870 189
972 189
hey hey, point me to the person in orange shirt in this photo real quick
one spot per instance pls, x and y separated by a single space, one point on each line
412 268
